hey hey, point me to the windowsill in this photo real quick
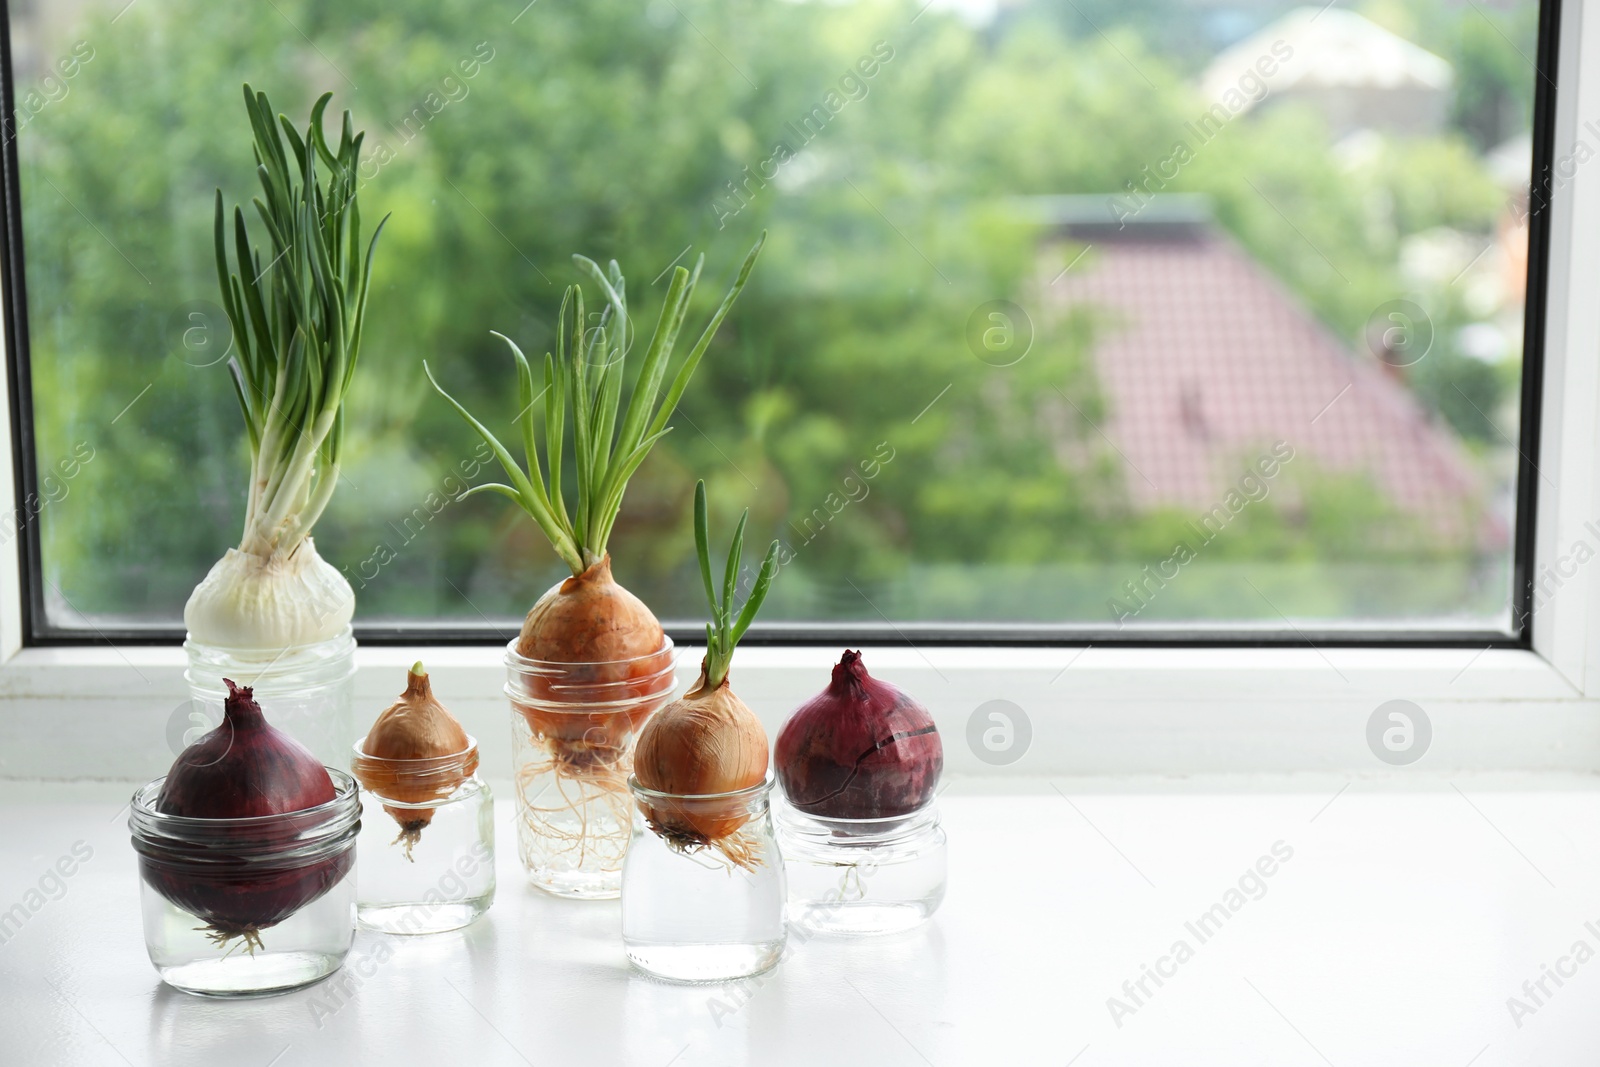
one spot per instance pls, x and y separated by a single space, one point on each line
102 713
1444 898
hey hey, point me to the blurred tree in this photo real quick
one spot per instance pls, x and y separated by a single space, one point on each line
879 146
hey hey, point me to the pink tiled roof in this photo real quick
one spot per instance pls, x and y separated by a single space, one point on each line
1205 360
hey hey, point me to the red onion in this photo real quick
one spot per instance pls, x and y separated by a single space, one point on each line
245 769
860 749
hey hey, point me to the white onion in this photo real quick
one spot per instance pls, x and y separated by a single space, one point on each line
260 603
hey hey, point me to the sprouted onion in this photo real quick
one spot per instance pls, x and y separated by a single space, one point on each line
297 318
416 752
708 742
244 769
588 634
589 618
860 749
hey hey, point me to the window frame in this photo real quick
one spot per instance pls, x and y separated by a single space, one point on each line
1106 701
40 632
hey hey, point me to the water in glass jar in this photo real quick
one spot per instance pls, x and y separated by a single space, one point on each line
698 917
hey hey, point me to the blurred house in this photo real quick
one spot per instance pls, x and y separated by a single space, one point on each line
1357 74
1206 361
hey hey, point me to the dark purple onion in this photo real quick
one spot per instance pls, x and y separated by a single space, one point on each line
244 769
860 749
243 903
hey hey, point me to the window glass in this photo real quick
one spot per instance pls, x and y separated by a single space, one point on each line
1095 312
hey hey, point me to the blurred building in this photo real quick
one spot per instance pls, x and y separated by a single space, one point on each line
1205 361
1355 73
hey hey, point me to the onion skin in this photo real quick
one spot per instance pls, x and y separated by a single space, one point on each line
610 637
706 742
414 727
589 618
257 602
244 769
244 904
860 749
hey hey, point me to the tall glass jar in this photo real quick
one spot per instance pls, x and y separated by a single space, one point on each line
862 876
247 907
703 887
307 691
573 726
426 862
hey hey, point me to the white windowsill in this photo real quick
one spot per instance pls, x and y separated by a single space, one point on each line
1094 712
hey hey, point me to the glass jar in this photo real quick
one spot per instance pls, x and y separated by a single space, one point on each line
307 691
426 862
702 889
862 876
248 907
573 727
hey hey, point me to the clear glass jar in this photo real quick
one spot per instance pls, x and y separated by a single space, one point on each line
862 876
426 862
573 726
248 907
306 691
703 886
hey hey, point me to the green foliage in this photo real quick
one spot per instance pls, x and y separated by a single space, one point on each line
657 133
296 318
588 369
1465 392
725 629
1436 182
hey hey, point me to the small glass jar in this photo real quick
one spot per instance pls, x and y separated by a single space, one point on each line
307 691
248 907
702 889
426 862
573 727
862 876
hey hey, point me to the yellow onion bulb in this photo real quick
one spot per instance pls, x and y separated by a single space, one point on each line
415 752
706 743
614 646
589 618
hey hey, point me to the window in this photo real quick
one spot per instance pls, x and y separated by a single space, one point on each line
1120 321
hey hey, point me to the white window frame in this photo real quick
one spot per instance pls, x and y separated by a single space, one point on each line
97 711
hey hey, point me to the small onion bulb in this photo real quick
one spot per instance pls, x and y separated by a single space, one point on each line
415 752
256 602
